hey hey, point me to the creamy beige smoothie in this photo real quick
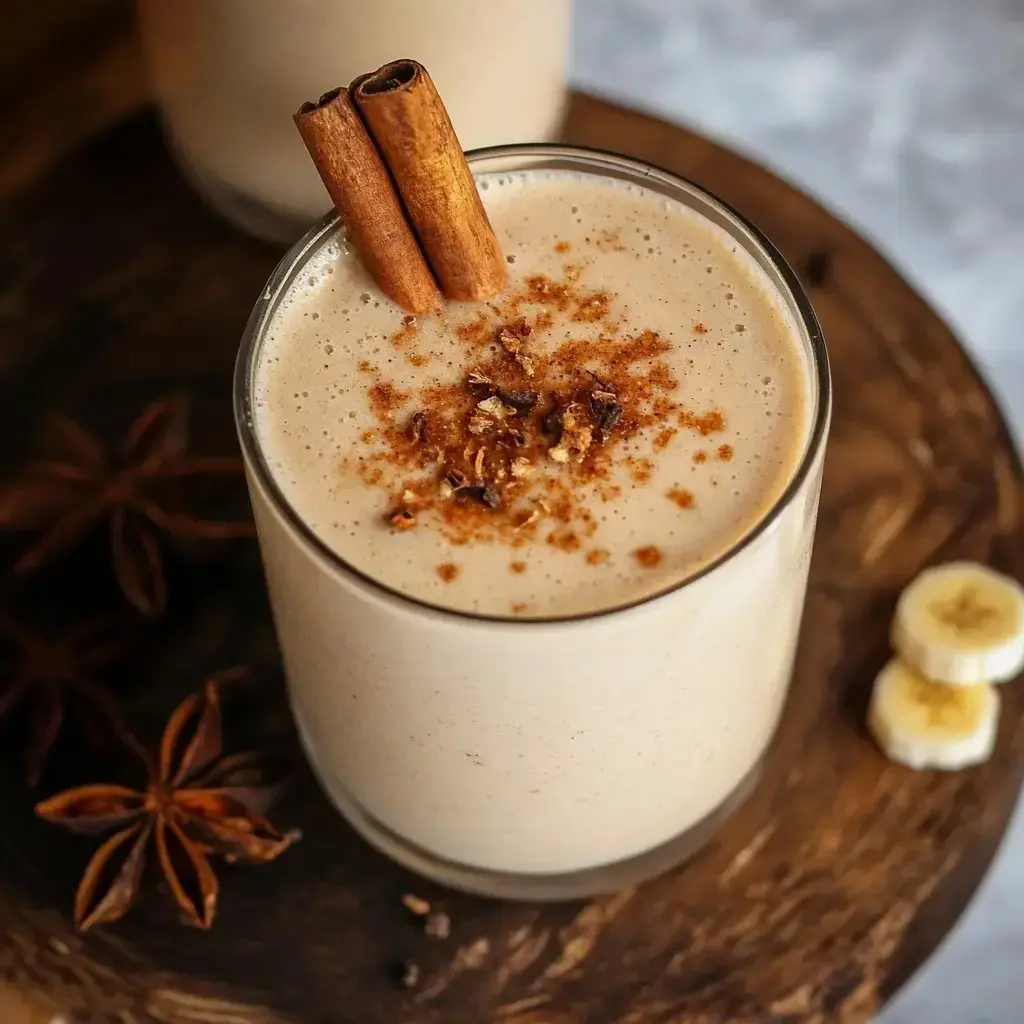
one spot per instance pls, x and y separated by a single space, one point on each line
229 73
531 472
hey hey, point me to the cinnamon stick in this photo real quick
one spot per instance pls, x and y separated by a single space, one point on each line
413 133
364 195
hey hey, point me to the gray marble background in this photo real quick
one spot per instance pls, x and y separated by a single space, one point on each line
906 118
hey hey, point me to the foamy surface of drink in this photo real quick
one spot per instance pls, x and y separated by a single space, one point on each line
624 293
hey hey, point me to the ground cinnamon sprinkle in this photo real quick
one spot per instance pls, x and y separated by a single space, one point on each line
562 247
448 571
592 308
699 328
513 451
386 399
475 333
709 423
664 439
648 556
725 452
564 540
682 497
518 567
640 469
518 607
700 456
409 329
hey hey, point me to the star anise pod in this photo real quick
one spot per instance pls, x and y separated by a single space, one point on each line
50 674
140 490
196 804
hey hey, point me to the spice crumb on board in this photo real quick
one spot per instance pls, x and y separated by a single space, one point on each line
416 905
438 925
409 974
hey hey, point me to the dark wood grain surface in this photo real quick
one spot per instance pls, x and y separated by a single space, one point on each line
823 893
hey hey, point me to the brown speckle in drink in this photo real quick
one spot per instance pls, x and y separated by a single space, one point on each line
682 497
598 556
725 452
700 457
474 333
562 247
664 439
564 540
542 289
648 556
699 328
406 332
592 308
448 571
518 607
640 469
385 398
710 423
518 568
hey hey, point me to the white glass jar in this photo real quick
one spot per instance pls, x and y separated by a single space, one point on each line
229 74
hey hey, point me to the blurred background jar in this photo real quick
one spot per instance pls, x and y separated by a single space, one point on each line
229 74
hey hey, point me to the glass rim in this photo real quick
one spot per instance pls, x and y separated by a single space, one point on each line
750 236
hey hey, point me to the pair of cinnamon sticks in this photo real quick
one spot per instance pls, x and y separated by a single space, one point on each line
386 150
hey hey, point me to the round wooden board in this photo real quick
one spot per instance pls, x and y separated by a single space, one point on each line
824 892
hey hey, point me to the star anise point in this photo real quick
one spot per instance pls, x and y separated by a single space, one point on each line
135 487
197 804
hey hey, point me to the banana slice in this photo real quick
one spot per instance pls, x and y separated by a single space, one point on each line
932 725
962 624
